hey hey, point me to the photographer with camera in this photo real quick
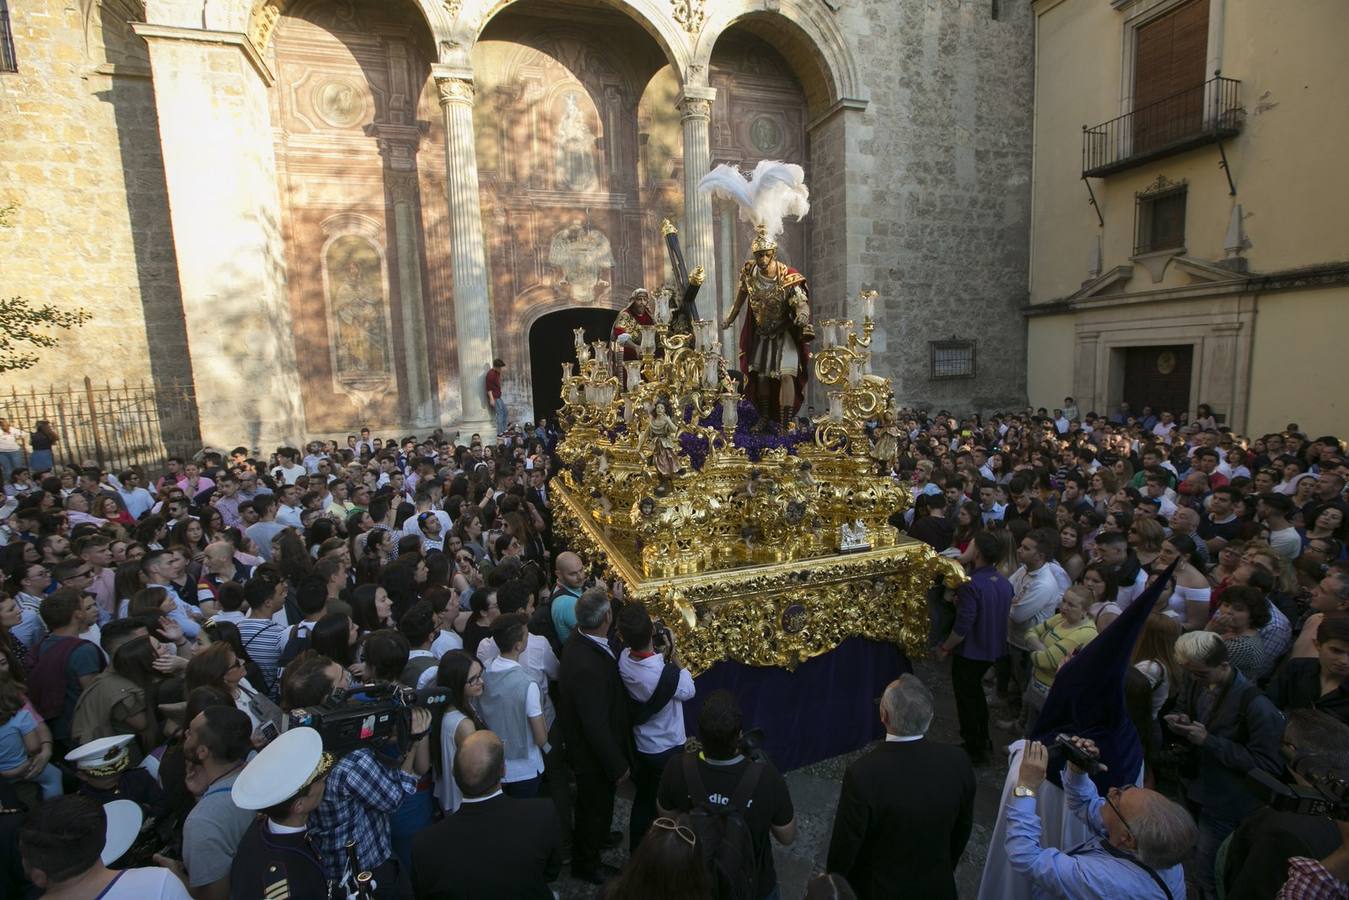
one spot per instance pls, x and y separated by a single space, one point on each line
1316 747
1140 837
734 803
364 788
658 686
1223 727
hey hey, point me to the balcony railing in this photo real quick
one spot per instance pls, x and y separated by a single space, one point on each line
1190 118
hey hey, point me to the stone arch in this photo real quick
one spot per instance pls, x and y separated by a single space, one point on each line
258 18
806 35
652 15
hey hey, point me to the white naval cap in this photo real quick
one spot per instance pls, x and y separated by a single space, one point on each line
281 770
124 826
103 756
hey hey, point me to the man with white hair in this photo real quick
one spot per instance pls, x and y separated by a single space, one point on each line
1139 838
904 780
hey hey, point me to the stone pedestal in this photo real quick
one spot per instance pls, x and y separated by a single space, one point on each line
468 258
696 111
219 167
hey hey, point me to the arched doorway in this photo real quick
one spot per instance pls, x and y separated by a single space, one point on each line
551 343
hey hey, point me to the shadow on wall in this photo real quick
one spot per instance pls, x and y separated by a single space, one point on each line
112 46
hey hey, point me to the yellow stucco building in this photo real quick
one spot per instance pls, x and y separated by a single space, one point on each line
1188 242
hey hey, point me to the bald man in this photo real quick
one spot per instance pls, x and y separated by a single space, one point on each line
503 847
571 575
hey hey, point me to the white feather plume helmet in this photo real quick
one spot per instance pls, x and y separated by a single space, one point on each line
773 191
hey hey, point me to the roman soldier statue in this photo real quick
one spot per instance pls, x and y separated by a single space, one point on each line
774 342
774 349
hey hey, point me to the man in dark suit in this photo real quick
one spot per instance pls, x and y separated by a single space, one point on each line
494 846
906 808
593 710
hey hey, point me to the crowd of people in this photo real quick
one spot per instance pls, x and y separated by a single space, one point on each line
1064 521
163 634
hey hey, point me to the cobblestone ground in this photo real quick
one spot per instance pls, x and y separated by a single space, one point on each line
815 794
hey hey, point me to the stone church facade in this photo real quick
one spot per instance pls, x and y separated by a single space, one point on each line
323 213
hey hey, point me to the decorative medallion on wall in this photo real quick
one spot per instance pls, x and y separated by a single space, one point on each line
583 259
1166 362
765 133
340 103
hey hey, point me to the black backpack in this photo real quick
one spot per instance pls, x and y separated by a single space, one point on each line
728 846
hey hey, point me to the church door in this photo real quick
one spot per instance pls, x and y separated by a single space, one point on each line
1158 377
551 343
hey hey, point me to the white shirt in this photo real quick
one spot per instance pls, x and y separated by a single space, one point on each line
537 655
289 475
288 516
664 730
449 640
1035 595
902 738
1128 593
10 440
151 883
531 766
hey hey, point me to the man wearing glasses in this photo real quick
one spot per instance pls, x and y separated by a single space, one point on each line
1139 837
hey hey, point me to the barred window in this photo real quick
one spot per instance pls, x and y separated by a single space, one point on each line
7 61
951 359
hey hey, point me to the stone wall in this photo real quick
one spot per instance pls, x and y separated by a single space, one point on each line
80 157
939 189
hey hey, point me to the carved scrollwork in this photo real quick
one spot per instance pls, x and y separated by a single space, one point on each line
690 14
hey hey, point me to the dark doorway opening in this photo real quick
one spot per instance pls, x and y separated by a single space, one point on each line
552 342
1158 377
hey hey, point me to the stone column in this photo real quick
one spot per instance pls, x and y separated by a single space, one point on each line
421 405
695 107
468 253
216 134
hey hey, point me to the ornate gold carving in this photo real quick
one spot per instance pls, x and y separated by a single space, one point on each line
262 22
454 90
740 556
690 14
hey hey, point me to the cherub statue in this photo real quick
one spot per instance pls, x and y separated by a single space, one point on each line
886 449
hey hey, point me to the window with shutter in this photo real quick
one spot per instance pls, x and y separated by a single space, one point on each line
1161 218
1169 61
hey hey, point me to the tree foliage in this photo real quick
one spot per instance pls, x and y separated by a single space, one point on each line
24 325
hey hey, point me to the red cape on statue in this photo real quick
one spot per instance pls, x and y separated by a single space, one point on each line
802 347
625 318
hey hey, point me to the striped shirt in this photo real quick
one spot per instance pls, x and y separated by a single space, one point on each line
263 641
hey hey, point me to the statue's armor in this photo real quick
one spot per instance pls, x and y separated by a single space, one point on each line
773 300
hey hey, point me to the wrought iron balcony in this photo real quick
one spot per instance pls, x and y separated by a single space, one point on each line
1200 115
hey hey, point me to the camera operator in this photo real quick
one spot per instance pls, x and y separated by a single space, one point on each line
1140 836
658 686
1226 727
1258 852
364 788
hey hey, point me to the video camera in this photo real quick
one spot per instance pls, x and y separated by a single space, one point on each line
368 715
1328 794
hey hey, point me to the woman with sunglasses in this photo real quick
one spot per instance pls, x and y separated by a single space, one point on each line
219 666
667 865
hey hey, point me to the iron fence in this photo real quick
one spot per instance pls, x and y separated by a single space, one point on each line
1188 118
112 426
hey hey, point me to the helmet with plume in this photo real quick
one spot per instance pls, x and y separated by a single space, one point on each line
773 191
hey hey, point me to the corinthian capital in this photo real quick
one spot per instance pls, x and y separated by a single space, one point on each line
455 90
